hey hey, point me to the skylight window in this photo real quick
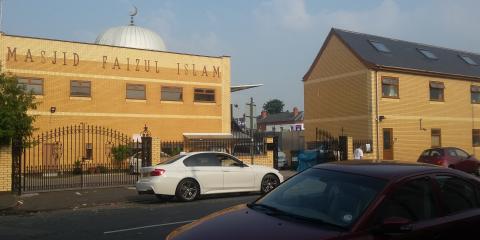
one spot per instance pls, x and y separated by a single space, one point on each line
468 60
428 54
379 46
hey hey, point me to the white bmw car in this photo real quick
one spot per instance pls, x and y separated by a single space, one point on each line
190 175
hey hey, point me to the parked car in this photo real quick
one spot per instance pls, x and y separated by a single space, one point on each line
190 175
354 200
451 157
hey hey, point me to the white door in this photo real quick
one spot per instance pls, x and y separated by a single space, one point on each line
206 169
236 176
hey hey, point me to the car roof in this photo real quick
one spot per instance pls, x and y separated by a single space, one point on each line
385 169
194 153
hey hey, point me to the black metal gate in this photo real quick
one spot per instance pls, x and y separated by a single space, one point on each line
80 156
330 148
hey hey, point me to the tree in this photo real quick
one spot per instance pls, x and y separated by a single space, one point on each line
15 123
273 106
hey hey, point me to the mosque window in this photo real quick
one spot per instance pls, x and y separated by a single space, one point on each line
35 86
172 94
136 91
80 88
204 95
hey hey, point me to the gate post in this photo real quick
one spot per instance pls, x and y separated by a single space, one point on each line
146 147
343 148
275 152
17 165
6 166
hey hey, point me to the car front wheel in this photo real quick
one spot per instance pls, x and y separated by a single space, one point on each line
187 190
269 182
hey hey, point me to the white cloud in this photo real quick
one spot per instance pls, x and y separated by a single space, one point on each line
289 14
438 22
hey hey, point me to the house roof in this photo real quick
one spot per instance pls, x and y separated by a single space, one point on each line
405 56
281 117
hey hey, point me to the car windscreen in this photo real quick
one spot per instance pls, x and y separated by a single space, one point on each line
172 159
329 197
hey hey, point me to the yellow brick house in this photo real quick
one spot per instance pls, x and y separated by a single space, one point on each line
403 96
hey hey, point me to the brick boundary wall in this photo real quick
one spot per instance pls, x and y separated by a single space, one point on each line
156 151
5 168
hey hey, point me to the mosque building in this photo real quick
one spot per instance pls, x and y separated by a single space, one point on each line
125 80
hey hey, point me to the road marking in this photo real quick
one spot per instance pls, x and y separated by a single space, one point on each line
148 226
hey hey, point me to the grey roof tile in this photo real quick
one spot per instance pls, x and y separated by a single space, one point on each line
405 55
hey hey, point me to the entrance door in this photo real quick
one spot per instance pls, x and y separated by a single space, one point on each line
387 144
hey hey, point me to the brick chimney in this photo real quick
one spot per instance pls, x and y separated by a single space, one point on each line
264 114
295 111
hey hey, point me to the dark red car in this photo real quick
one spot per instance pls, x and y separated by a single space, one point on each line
354 200
451 157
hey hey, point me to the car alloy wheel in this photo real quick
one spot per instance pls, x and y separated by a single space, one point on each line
187 190
269 182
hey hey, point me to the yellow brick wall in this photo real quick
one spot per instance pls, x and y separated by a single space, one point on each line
338 94
108 105
156 150
264 160
456 116
5 169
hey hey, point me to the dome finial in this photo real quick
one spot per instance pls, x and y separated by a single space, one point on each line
132 14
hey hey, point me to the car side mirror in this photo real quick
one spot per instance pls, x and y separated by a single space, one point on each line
396 225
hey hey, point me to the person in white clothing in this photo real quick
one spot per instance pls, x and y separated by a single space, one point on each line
358 153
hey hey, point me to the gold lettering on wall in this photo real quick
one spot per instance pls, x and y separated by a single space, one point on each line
28 56
104 61
12 54
54 61
112 62
147 65
76 59
137 68
42 54
216 71
116 65
64 58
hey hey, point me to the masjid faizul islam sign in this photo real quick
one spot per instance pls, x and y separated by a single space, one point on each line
115 63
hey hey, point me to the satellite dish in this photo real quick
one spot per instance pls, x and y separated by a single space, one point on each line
134 11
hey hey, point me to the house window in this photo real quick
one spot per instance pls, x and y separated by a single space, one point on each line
428 54
468 60
436 137
204 95
475 93
80 88
436 91
172 94
136 91
390 87
35 86
379 46
476 137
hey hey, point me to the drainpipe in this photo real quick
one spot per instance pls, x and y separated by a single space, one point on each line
473 118
376 117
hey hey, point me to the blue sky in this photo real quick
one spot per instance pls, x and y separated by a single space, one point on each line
270 41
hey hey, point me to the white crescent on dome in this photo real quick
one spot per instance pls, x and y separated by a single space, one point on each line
131 36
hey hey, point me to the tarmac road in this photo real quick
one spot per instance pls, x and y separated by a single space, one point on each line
145 219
